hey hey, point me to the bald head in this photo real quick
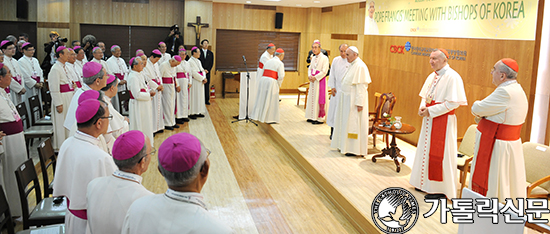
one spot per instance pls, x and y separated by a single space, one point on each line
343 48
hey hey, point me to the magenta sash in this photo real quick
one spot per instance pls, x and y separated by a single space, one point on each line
202 73
17 78
78 84
180 75
120 76
66 88
11 128
322 93
7 89
156 81
82 214
141 90
167 80
36 78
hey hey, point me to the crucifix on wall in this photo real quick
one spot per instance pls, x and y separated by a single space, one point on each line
198 25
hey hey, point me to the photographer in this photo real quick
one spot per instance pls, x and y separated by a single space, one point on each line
174 40
49 48
88 43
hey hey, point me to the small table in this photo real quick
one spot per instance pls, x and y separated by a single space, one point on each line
393 151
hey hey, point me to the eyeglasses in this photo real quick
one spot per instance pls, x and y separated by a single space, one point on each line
106 117
153 151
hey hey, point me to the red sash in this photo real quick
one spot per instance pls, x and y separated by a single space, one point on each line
180 75
271 74
156 81
78 84
490 132
7 89
261 65
132 96
17 78
167 80
11 128
120 76
437 145
82 214
66 88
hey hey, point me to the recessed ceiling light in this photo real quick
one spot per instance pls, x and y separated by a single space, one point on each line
298 4
316 1
248 2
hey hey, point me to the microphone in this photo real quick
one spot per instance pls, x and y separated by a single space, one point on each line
244 59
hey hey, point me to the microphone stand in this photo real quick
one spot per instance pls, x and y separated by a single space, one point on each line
247 95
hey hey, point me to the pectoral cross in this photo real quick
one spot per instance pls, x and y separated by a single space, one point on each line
198 25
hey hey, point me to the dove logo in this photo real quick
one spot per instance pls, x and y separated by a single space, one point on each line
395 210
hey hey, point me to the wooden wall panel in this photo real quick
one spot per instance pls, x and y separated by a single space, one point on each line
404 74
8 11
54 11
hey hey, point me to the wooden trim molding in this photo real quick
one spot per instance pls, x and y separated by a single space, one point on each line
326 9
260 7
352 37
52 25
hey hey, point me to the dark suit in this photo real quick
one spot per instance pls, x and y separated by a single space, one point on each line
207 64
175 42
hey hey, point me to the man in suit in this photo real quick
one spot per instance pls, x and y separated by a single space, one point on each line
174 40
207 61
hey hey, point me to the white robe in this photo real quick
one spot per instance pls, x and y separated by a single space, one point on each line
370 26
109 198
70 118
506 105
30 67
165 57
253 87
266 108
73 74
169 93
104 64
153 79
57 77
319 63
13 155
15 87
80 161
80 65
196 105
351 129
449 92
141 117
161 213
118 66
182 97
337 71
117 125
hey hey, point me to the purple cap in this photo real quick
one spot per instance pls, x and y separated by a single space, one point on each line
70 49
3 42
60 48
77 47
128 145
132 60
86 110
111 79
25 44
182 49
91 69
140 54
180 152
95 48
177 58
157 52
90 94
112 47
162 42
194 47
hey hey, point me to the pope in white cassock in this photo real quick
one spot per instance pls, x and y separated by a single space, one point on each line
370 24
337 71
31 72
351 125
151 73
266 108
80 161
117 66
197 108
13 151
184 164
141 117
17 87
118 124
110 197
317 98
434 168
169 81
62 91
498 168
182 97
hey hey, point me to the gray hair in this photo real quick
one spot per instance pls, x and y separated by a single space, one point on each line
96 49
3 71
114 48
277 53
181 179
503 68
135 61
11 38
91 80
441 54
130 163
270 47
89 38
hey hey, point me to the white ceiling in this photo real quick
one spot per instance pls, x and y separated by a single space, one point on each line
293 3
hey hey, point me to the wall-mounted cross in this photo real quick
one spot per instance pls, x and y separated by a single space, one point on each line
198 25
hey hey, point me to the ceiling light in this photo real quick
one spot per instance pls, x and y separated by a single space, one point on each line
248 2
298 4
316 1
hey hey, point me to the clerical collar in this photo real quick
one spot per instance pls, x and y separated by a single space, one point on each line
509 82
442 71
187 197
85 137
127 176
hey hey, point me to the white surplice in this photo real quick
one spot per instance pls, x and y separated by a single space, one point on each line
196 93
171 213
118 66
104 65
13 155
31 71
117 125
266 108
447 89
80 161
351 127
70 118
151 73
506 105
165 57
182 97
109 198
337 71
80 65
16 84
141 117
59 76
319 63
167 72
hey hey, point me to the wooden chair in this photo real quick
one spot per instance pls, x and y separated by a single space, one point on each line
303 88
384 104
36 112
7 223
46 99
48 159
537 162
123 99
32 132
463 163
45 212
